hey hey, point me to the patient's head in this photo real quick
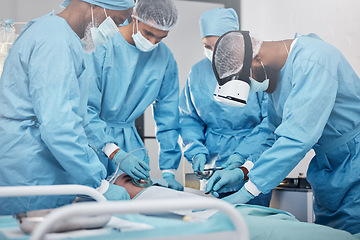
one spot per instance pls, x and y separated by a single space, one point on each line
125 181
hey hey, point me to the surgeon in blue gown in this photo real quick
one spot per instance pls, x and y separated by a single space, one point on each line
210 129
131 72
43 100
314 103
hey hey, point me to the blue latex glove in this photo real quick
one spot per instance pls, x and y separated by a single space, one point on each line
116 192
234 161
224 178
199 162
131 165
170 179
240 197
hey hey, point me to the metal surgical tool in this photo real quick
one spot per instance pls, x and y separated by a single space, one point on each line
207 173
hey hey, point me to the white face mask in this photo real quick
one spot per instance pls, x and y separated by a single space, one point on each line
87 41
95 36
208 53
107 29
256 86
141 42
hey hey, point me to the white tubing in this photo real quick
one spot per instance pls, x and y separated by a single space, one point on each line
140 206
45 190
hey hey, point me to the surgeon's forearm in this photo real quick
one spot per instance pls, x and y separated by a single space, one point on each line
113 154
245 171
251 188
110 150
246 167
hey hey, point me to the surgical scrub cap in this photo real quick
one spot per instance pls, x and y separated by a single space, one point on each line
229 53
218 21
107 4
160 14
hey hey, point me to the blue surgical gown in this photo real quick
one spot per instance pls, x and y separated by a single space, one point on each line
125 82
317 100
218 130
43 96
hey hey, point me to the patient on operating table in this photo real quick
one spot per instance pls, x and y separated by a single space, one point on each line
261 221
157 190
125 181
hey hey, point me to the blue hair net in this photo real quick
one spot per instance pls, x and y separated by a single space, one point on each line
107 4
218 21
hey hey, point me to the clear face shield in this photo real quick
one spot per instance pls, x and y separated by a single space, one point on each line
231 66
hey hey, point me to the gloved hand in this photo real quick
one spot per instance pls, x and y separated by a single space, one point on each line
240 197
224 178
234 161
131 165
199 162
115 192
170 179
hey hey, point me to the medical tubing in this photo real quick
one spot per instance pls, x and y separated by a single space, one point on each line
118 167
144 207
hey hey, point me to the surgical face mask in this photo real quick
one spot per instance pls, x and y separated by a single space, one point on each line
107 29
256 86
141 42
208 53
87 41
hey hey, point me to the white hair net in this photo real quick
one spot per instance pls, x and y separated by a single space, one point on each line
160 14
230 50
